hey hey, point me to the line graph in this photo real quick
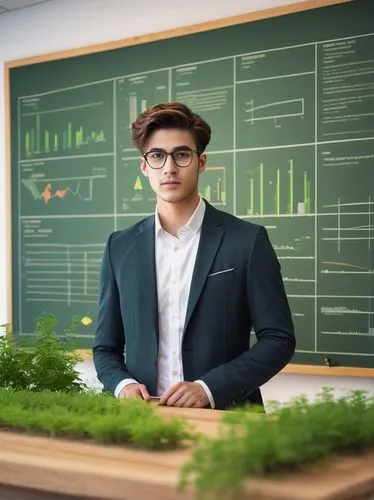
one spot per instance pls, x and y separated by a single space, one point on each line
345 268
354 222
348 318
343 310
286 108
47 192
66 186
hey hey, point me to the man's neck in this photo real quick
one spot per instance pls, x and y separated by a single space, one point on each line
175 215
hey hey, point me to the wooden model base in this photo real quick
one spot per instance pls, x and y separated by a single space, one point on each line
50 468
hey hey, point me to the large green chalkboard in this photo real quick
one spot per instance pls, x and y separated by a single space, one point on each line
291 103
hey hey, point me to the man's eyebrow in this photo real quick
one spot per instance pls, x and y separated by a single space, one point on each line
177 148
156 149
180 148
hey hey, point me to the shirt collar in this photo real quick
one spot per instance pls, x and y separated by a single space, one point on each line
194 222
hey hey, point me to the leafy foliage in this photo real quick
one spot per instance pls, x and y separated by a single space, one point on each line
98 417
292 435
50 364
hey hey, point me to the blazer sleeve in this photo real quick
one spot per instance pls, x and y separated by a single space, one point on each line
109 342
272 321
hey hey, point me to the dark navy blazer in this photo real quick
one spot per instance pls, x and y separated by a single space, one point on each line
222 309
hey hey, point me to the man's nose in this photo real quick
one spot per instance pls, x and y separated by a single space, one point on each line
170 165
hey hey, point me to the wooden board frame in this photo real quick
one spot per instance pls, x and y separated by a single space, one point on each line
137 40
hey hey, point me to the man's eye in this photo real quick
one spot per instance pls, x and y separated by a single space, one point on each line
183 154
157 156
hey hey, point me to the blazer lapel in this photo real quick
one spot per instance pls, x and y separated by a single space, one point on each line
145 249
210 240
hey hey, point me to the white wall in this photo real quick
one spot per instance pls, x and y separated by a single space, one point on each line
64 24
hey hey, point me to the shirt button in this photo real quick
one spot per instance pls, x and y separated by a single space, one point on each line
175 249
175 373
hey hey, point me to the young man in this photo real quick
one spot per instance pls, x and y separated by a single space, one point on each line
182 289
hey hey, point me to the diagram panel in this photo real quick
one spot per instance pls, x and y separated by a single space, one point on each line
59 270
134 192
208 89
73 121
216 182
275 104
289 61
276 182
345 246
346 325
134 94
346 88
79 185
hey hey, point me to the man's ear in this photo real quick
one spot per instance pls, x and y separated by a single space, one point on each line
202 162
143 167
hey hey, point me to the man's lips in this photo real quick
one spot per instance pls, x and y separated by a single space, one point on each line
170 183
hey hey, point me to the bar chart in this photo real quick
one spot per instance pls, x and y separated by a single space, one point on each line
80 124
280 184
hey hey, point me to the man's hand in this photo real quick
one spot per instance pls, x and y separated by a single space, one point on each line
134 391
186 395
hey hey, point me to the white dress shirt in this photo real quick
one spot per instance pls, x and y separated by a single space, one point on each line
175 261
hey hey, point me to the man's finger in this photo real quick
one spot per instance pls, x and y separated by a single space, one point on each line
174 398
182 400
191 402
168 393
143 391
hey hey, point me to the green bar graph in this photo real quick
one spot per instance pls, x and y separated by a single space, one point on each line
277 195
291 194
27 143
251 196
46 141
32 145
266 183
70 136
306 193
79 137
37 133
38 141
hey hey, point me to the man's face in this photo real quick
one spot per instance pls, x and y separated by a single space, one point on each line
173 183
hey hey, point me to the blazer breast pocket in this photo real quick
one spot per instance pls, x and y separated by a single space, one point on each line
221 275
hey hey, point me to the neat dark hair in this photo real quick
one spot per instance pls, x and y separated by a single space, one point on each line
170 115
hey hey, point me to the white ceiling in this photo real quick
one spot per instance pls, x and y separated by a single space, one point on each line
7 5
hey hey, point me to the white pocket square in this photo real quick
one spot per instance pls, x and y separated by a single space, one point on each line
221 272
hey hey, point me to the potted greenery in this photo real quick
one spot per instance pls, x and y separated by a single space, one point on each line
90 442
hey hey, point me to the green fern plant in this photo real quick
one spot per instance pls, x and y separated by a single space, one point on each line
49 365
293 435
89 416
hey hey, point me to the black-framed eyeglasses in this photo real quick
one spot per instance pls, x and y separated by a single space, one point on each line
156 158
